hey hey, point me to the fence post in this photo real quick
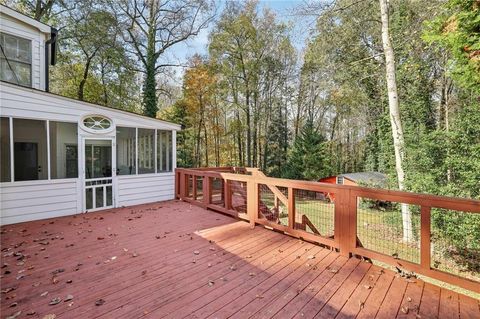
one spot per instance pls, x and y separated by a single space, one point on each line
291 208
194 187
425 215
252 202
345 221
207 191
228 194
183 185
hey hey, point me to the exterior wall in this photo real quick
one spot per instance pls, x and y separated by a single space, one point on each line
25 201
17 28
147 188
39 199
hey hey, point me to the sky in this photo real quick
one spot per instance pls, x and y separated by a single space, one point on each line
284 10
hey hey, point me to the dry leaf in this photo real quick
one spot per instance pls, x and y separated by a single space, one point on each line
51 316
196 252
15 315
68 298
405 310
211 283
55 301
310 257
44 294
99 302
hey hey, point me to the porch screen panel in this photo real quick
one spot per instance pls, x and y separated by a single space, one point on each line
164 151
30 157
5 150
126 154
63 150
146 151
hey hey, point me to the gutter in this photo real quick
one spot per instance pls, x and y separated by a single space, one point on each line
52 54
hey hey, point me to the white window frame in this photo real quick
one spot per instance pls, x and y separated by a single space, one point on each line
7 59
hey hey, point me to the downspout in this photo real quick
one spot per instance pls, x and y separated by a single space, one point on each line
52 44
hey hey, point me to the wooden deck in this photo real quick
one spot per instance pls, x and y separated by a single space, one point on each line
175 260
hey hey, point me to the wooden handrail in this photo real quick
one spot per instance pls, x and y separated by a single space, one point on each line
345 212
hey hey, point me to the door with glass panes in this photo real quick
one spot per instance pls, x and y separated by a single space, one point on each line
98 174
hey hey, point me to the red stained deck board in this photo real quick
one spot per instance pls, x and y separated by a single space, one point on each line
163 282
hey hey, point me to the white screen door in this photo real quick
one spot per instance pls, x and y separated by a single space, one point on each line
98 174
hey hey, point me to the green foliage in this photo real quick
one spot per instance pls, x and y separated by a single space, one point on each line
308 157
457 29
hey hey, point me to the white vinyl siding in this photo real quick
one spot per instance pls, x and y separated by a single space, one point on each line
141 189
25 201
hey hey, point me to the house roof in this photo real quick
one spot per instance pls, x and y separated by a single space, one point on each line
45 28
88 106
366 177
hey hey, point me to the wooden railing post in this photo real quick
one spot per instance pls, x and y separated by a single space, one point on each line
228 194
345 221
252 202
291 208
183 185
194 187
425 215
207 191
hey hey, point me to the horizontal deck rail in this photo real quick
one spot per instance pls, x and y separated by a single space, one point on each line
349 224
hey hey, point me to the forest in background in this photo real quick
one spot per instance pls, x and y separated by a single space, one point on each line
257 100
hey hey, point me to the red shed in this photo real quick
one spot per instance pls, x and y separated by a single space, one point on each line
374 179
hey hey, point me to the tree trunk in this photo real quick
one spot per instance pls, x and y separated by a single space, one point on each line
81 86
397 130
150 107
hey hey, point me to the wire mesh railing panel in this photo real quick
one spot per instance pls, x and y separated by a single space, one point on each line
270 205
389 228
199 190
217 189
314 212
238 192
189 186
455 242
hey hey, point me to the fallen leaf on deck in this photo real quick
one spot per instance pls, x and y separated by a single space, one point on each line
57 271
196 252
209 265
211 283
68 298
367 286
99 302
43 294
7 290
31 313
55 301
69 281
100 238
409 299
251 274
50 316
15 315
134 255
144 272
113 258
259 296
248 256
232 267
405 310
361 304
311 257
13 304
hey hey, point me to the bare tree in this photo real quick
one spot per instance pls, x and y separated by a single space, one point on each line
395 121
153 26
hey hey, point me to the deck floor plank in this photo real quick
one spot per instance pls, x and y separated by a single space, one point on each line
156 261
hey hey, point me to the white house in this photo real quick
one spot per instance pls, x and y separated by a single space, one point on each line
60 156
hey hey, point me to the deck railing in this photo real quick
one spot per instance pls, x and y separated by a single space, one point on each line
359 221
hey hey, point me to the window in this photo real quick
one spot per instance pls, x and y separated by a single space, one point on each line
164 151
15 60
97 123
126 153
340 180
30 150
5 150
63 150
146 151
